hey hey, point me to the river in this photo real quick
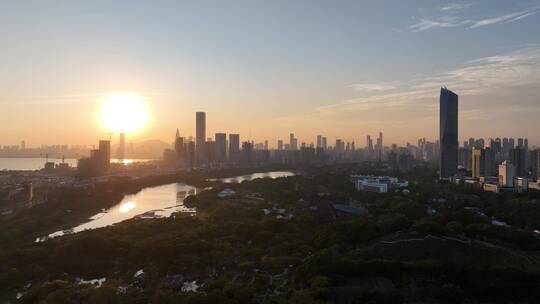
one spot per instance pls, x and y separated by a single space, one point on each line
152 202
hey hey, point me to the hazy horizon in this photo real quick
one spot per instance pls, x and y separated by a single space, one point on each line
266 69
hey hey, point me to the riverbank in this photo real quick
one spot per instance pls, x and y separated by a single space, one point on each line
68 207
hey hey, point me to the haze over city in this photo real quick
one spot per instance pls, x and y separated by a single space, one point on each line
250 151
265 69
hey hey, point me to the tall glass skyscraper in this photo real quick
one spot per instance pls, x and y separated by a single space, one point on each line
448 128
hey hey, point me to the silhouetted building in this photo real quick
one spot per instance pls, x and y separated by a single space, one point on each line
340 146
99 161
105 153
293 142
200 135
280 144
234 146
535 163
518 160
379 149
247 153
190 153
369 148
221 146
179 149
448 128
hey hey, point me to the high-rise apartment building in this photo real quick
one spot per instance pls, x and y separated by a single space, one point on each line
518 160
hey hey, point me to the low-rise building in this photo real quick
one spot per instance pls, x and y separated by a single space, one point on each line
378 184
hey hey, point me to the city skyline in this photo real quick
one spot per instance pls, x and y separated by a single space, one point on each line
242 73
270 151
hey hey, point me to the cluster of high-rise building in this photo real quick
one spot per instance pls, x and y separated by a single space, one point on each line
203 151
497 164
482 158
503 160
229 150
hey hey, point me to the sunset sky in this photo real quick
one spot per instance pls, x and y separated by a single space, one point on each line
264 69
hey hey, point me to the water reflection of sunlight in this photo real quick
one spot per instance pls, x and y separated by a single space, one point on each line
125 207
124 161
127 161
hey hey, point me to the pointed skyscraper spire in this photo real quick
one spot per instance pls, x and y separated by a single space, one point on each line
177 133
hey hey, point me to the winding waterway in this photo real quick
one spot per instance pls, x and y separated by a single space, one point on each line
152 202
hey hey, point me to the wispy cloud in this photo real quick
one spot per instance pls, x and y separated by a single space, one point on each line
481 80
507 18
457 21
372 87
455 7
446 21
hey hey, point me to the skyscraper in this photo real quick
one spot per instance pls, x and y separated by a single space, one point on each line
380 148
489 162
518 160
293 142
319 141
200 135
478 162
448 127
221 146
105 152
369 147
280 144
234 146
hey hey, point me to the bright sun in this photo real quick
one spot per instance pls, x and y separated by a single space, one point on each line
124 113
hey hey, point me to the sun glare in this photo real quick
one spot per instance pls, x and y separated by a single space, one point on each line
125 207
124 113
